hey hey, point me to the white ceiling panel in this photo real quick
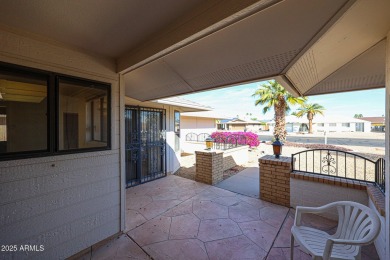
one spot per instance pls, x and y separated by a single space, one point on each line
156 79
364 25
258 47
364 72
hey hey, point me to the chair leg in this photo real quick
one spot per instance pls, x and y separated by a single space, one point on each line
292 247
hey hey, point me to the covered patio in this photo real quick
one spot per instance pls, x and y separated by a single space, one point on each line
177 218
66 190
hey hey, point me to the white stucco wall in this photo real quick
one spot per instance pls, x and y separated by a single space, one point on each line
311 194
197 125
380 242
67 202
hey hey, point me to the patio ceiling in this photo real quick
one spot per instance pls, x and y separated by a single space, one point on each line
172 47
260 46
349 56
310 47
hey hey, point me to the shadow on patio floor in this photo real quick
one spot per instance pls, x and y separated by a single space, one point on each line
176 218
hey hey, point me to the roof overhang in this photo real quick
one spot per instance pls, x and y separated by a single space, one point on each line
256 46
349 56
182 104
206 114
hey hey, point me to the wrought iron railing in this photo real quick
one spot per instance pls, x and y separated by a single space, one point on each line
192 137
340 164
380 174
228 142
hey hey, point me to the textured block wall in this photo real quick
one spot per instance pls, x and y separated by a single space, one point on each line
315 194
209 166
380 242
275 179
65 203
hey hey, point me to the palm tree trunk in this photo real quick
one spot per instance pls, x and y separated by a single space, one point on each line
310 126
280 120
310 118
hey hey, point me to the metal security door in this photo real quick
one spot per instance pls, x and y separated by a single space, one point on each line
145 144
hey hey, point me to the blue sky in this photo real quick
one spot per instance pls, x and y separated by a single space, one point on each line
238 100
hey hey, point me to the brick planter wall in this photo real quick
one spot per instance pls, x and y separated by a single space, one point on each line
209 166
275 179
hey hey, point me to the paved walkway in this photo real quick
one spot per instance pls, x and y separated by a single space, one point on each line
246 182
176 218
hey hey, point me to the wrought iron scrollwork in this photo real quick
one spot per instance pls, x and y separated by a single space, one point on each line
329 161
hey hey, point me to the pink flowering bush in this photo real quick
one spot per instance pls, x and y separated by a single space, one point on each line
242 138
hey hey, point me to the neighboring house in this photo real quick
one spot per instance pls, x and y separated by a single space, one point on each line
151 122
377 123
238 124
325 123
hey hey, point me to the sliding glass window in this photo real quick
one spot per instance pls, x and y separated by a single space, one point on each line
83 117
23 112
43 113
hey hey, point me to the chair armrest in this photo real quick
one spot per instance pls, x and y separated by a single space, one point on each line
302 210
360 242
330 242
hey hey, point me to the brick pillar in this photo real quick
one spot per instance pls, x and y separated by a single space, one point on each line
275 179
209 166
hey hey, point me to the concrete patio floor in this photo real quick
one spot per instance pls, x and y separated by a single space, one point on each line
176 218
246 182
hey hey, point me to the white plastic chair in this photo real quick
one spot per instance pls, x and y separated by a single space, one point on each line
358 225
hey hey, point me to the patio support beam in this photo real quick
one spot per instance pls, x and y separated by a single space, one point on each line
209 17
387 140
122 148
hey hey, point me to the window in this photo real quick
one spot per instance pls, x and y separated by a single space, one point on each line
332 124
29 123
320 124
177 122
82 114
346 124
177 130
23 112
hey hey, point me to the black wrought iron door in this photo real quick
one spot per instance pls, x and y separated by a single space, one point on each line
145 144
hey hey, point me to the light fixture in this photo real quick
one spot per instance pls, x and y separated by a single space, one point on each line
209 143
277 147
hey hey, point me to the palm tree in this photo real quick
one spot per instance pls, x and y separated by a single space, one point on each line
310 110
358 116
273 95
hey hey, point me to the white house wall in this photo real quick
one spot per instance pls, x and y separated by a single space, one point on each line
197 125
68 202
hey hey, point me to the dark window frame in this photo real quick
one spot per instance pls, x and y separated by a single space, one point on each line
85 83
174 122
177 133
53 110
